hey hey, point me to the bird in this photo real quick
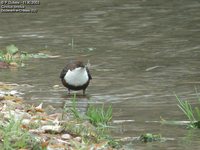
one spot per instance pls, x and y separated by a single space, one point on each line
75 76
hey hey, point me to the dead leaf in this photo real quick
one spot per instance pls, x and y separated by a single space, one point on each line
24 127
44 144
39 108
13 64
56 121
9 97
101 145
60 146
18 100
4 86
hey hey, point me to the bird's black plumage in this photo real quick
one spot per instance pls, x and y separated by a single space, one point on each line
71 66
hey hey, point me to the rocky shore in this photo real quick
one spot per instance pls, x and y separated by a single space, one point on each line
25 126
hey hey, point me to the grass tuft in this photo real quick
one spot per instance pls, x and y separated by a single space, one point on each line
14 137
192 113
94 131
149 137
73 110
99 116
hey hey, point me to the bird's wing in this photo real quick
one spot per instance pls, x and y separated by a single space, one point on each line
69 66
63 72
89 75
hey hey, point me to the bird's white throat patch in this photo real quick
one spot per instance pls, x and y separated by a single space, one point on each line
76 77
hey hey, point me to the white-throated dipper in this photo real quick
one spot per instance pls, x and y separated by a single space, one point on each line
75 76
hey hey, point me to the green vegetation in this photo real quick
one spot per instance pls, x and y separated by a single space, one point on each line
75 112
14 137
24 126
94 131
90 134
192 113
11 55
99 116
148 137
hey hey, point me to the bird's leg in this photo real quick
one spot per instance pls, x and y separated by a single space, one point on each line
83 91
68 91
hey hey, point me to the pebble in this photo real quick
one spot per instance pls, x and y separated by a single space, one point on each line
13 92
26 121
1 96
52 128
56 86
55 148
66 136
77 139
17 115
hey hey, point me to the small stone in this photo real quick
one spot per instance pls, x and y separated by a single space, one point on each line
13 92
55 147
51 128
26 121
1 96
66 136
78 139
56 86
37 131
17 114
3 65
50 109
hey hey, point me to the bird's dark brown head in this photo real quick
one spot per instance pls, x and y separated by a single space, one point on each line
75 64
79 64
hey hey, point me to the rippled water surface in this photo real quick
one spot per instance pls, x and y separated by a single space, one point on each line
142 52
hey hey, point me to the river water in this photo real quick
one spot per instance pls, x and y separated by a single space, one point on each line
141 53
